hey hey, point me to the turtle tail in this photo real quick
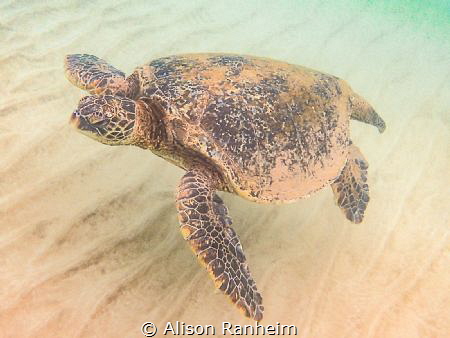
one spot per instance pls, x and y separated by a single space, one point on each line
362 111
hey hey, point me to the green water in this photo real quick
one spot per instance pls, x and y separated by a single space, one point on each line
432 17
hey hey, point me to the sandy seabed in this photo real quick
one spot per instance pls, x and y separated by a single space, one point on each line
89 239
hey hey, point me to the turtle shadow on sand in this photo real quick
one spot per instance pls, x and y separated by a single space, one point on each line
265 130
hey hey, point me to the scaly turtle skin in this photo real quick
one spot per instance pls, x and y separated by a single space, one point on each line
268 131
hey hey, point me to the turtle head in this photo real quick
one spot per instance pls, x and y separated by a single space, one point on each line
106 118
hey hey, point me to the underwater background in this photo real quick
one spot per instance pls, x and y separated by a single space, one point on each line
89 236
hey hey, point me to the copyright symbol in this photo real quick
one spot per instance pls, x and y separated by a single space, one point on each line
149 329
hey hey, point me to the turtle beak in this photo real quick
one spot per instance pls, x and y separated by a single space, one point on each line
74 120
80 122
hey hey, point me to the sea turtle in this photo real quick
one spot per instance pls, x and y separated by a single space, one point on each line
265 130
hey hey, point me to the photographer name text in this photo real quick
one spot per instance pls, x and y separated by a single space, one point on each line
227 329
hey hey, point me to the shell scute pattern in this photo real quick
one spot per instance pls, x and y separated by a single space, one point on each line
263 122
235 63
327 86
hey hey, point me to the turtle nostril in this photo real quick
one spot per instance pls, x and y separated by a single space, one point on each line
74 115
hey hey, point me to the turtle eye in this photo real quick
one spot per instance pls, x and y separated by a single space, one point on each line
97 121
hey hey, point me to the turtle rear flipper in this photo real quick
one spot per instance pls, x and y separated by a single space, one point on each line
350 188
206 227
362 111
95 75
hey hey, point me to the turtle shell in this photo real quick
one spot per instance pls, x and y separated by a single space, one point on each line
276 131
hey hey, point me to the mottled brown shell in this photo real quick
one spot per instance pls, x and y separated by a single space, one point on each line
276 131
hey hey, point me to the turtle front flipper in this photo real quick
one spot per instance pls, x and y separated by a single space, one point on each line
206 227
350 188
95 75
